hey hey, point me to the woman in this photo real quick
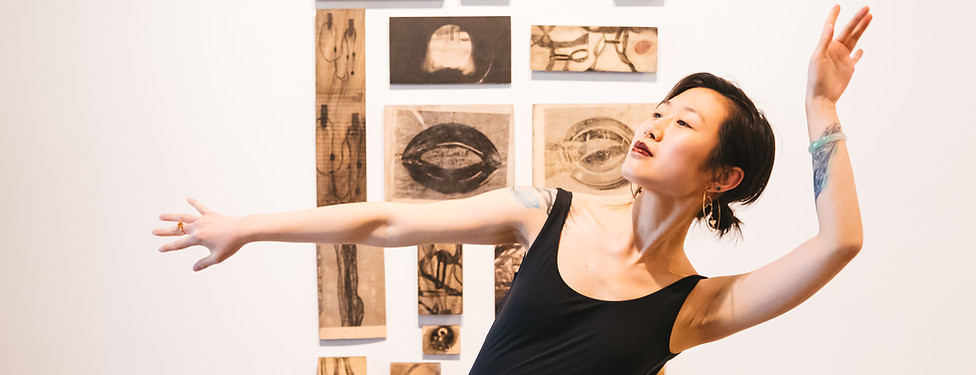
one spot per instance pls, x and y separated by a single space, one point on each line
606 288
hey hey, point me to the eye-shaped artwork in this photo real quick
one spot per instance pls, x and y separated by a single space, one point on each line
342 366
440 340
508 259
593 49
580 147
432 50
352 292
439 274
447 152
419 368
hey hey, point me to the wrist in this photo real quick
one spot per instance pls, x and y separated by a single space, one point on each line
248 229
819 103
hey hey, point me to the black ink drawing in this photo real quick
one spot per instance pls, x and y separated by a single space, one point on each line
342 366
441 339
352 302
508 259
427 368
439 273
581 147
593 48
341 173
338 47
431 50
447 152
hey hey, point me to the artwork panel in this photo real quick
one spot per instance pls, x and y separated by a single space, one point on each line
450 50
447 152
440 340
581 147
508 259
439 279
342 366
593 48
352 292
416 368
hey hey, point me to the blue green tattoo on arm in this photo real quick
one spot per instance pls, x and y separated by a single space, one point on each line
533 197
821 160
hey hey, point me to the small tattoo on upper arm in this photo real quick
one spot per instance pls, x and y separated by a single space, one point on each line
821 160
533 197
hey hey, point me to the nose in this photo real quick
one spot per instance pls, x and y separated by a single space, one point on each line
655 130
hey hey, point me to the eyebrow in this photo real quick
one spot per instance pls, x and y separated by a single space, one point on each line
687 108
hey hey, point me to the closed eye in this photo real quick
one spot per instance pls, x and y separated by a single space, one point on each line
656 115
683 123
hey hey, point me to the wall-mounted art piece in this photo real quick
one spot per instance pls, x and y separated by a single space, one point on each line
439 281
351 285
342 366
440 340
352 292
447 152
435 50
580 147
508 259
417 368
593 49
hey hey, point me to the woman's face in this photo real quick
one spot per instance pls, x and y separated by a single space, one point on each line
670 151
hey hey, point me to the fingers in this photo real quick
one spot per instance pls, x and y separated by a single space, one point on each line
856 34
169 231
184 218
857 55
828 30
199 206
205 262
178 244
852 32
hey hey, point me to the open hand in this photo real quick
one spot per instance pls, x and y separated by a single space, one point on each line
218 233
832 64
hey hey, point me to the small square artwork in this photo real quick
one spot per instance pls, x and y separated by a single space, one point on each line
593 49
440 50
439 279
440 340
508 259
447 152
581 147
342 366
418 368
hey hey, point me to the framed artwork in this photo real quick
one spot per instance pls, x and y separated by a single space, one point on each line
593 49
437 50
447 152
418 368
580 147
352 292
440 340
439 279
508 259
342 366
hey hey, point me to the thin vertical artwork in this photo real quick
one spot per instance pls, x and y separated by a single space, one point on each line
415 368
508 259
450 50
593 49
350 277
447 152
581 147
439 284
441 340
342 366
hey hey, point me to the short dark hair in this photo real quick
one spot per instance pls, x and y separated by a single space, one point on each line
745 140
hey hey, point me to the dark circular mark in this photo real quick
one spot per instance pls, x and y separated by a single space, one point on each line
450 158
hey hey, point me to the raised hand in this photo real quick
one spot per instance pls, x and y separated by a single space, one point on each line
221 234
832 63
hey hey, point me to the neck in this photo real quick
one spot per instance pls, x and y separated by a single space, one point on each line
661 223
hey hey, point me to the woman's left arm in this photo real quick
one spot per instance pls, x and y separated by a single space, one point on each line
738 302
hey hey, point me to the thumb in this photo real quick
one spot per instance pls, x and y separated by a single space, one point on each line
204 263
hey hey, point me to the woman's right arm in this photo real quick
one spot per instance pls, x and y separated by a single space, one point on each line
500 216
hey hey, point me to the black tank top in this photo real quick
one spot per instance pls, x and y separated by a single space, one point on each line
546 327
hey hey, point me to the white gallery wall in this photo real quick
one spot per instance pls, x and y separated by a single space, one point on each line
114 111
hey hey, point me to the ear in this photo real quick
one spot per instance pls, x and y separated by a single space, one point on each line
728 178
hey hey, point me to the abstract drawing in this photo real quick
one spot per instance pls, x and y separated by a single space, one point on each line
593 49
439 340
351 282
342 366
417 368
580 147
352 292
433 50
447 152
508 259
439 283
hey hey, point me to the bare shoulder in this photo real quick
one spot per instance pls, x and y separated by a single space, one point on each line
534 197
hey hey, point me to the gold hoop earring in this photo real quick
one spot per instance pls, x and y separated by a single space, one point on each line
633 193
708 211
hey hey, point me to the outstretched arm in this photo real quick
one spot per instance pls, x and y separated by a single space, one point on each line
500 216
738 302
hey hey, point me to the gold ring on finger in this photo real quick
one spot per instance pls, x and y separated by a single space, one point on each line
180 226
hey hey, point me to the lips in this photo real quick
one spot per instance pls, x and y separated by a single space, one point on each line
641 148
